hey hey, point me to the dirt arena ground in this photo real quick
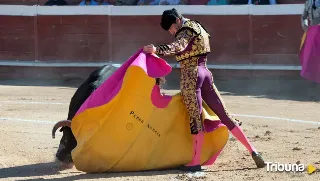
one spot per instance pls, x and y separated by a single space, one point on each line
280 117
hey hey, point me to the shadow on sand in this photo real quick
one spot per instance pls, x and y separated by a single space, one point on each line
37 169
55 168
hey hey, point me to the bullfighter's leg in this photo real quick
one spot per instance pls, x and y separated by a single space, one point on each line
191 82
212 97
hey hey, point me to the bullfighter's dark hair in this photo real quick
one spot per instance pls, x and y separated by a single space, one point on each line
169 17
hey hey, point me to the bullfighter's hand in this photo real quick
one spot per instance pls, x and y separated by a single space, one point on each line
305 25
149 49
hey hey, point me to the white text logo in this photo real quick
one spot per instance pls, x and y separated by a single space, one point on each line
286 167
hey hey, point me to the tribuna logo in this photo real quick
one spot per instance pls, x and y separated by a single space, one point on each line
285 167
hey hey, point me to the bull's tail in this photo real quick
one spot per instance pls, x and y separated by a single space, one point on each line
60 124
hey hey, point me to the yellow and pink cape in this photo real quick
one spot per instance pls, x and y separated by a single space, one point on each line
128 125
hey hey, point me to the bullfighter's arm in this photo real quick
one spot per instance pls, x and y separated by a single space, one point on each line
181 42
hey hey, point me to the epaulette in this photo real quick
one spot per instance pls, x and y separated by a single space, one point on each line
203 28
190 25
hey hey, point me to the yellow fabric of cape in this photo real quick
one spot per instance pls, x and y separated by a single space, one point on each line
131 134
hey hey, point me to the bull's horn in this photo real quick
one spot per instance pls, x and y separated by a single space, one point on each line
60 124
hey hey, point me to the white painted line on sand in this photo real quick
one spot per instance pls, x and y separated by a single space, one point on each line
29 102
27 120
57 103
276 118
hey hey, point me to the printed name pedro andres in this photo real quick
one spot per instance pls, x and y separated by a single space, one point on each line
135 116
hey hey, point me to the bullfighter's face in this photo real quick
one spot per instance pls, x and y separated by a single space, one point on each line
175 27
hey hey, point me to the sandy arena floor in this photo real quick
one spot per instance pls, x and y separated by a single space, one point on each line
269 111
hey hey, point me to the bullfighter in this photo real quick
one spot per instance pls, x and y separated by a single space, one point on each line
191 47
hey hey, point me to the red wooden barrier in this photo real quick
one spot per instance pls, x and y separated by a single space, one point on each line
272 39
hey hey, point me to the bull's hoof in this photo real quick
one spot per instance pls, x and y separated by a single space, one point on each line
257 158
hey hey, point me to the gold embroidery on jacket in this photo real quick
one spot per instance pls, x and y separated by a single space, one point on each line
191 41
200 42
181 42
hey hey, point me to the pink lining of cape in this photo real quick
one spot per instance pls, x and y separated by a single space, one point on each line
310 55
153 65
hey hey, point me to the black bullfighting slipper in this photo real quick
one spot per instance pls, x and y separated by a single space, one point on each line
258 159
194 168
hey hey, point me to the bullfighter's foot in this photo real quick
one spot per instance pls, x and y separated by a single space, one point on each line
66 146
258 159
194 168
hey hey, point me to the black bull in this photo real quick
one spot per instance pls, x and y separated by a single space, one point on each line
95 79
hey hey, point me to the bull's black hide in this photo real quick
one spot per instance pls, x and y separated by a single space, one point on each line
95 79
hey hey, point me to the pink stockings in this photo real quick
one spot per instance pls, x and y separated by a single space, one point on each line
238 133
197 146
198 141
